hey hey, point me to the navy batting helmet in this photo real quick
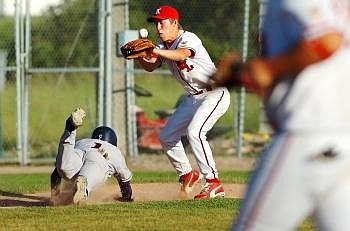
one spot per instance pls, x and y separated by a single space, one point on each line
106 134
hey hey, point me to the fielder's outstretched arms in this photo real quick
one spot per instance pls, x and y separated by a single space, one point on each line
191 66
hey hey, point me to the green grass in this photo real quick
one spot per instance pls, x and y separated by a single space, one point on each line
167 215
25 183
215 214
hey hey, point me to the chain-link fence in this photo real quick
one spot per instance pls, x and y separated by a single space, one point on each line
221 27
48 64
58 54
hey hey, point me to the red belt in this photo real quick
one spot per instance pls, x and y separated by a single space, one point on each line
208 88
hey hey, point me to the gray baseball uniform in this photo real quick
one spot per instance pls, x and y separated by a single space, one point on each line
95 159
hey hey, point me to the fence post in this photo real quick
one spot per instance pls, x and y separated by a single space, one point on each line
25 53
1 136
118 72
100 110
242 92
131 128
3 62
19 125
264 127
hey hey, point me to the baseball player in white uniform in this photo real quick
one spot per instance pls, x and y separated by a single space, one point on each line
303 75
191 65
89 162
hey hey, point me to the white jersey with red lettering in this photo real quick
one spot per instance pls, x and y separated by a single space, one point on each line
198 111
194 72
305 170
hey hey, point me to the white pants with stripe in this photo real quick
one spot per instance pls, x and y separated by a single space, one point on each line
194 117
69 160
299 175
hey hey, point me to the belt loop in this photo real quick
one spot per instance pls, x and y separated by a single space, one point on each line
207 88
198 92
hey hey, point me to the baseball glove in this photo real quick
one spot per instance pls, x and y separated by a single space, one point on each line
255 75
138 48
228 71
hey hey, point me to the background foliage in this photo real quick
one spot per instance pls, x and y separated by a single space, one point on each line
218 23
66 35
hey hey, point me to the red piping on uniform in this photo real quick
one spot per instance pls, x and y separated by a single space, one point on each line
187 83
269 180
199 134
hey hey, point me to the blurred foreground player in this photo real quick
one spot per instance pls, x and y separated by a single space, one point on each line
303 77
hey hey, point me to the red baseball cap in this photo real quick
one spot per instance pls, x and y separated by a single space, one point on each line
164 12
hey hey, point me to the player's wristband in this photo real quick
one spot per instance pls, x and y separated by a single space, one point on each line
319 49
150 55
154 55
247 80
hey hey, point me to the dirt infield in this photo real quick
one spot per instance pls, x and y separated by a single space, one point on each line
109 193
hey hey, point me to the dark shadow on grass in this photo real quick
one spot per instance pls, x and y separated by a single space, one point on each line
21 200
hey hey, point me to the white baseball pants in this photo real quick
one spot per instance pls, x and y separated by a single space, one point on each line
299 175
194 117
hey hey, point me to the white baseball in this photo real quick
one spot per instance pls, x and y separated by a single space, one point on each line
143 33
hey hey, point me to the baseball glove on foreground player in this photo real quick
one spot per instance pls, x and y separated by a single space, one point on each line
138 48
255 75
